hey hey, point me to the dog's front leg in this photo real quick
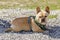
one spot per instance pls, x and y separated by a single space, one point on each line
35 27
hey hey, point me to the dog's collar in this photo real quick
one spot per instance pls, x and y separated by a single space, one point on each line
40 25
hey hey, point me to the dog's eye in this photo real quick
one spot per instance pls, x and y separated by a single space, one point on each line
45 16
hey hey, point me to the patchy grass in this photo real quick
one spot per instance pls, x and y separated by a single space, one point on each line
52 16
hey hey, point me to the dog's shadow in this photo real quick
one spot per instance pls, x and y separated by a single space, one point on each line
53 32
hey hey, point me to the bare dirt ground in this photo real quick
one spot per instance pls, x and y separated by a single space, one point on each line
7 15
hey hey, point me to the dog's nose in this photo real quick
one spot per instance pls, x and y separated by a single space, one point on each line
43 20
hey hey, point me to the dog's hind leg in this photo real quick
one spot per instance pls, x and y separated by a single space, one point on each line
8 30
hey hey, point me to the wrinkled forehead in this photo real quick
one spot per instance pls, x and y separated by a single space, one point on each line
43 13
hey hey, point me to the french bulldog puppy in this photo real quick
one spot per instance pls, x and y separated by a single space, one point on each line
20 24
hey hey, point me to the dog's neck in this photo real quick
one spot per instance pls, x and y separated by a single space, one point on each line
36 19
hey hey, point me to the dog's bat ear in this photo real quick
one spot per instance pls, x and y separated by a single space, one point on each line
38 9
47 9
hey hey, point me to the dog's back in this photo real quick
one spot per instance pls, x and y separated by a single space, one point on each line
21 24
20 21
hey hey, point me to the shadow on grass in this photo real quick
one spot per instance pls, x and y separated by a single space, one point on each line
54 32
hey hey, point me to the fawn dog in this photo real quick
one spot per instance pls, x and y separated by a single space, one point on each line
20 24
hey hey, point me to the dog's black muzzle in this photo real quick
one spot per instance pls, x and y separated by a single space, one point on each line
43 20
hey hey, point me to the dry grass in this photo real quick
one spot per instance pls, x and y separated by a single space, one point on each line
31 4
